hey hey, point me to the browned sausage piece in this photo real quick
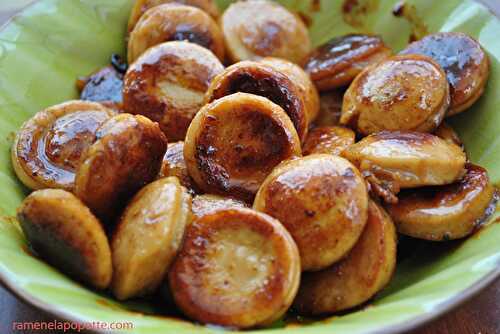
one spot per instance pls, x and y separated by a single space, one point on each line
406 93
445 212
167 84
126 156
337 62
234 142
237 268
63 231
366 270
174 22
48 148
148 236
141 6
263 28
464 61
265 80
322 201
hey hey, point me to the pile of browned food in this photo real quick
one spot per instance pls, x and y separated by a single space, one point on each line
268 194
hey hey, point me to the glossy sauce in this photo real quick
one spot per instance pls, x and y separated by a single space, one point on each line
463 60
51 145
341 52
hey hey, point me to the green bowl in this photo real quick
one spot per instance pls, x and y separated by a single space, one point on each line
52 42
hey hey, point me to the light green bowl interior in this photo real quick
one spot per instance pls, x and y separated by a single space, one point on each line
51 43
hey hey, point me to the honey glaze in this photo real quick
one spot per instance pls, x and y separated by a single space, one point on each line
49 147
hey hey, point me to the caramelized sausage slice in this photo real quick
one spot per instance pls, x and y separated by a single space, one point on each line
407 93
328 140
464 61
262 28
366 270
48 148
234 142
126 156
174 165
205 204
396 160
141 6
337 62
237 268
446 212
63 231
148 236
167 84
297 75
264 80
173 22
322 201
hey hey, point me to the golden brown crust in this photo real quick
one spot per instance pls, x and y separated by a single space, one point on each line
263 80
463 59
63 231
47 150
322 201
174 165
446 212
126 156
148 236
234 142
337 62
174 22
328 139
366 270
407 159
302 80
206 204
167 84
141 6
237 268
406 92
262 28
